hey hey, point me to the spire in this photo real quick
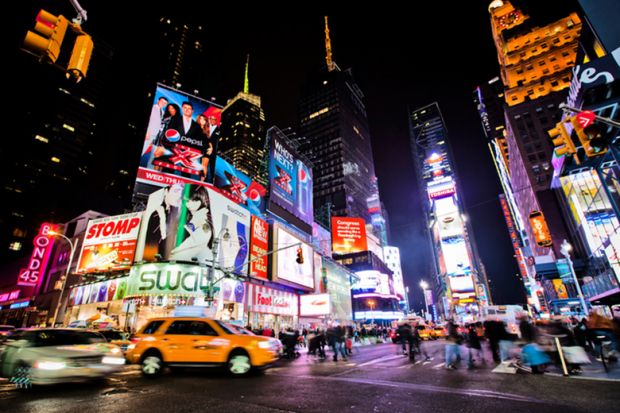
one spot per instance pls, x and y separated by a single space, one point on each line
246 79
328 49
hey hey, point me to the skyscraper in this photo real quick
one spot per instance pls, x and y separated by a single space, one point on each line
334 135
459 283
243 132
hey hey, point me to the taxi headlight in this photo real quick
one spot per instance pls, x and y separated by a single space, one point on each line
113 360
264 345
50 365
115 350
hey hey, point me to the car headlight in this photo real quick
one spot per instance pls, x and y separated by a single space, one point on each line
50 365
115 350
131 346
113 360
264 345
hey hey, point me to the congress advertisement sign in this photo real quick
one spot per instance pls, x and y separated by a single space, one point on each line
181 139
239 187
314 305
290 181
285 266
259 244
186 222
109 243
99 292
43 245
349 235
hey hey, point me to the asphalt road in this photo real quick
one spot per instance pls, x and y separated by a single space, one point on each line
374 379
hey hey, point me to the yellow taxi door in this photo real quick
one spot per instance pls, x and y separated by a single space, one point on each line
191 341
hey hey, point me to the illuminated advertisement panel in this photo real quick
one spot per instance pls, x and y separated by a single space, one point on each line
349 235
109 243
285 266
339 288
314 305
462 285
239 187
43 245
321 239
259 243
185 222
449 220
168 278
540 229
99 292
290 181
455 255
181 139
441 188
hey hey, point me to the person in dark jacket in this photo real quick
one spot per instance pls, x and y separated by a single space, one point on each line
473 343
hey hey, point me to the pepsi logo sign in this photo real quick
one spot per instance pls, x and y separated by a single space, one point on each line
172 135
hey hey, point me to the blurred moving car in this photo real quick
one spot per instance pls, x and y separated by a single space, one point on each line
55 355
117 337
199 342
439 332
5 331
425 332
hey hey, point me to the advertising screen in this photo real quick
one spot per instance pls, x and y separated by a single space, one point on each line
185 222
259 244
461 285
339 288
239 187
181 139
290 181
285 264
455 255
540 229
348 235
109 243
321 239
167 278
99 292
314 304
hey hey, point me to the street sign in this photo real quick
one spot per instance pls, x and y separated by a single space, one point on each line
586 118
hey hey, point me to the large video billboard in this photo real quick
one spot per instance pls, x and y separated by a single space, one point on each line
180 143
259 244
109 243
239 187
290 181
186 222
285 266
349 235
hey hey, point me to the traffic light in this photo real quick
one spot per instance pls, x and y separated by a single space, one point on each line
80 57
46 45
562 140
590 136
300 256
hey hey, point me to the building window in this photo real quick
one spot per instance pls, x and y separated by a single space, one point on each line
15 246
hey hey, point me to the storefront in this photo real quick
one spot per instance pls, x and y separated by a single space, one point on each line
98 304
271 308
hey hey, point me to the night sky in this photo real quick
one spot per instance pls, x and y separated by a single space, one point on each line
439 52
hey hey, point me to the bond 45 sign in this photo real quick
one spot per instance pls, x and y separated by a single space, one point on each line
43 245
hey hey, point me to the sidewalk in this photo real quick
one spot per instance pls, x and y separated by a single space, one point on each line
592 371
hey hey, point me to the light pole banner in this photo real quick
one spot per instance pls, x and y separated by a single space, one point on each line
428 296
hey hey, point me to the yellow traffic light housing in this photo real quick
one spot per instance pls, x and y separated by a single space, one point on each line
80 57
300 256
562 140
46 45
591 138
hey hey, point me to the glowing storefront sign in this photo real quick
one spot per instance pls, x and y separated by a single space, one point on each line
8 296
43 245
314 304
540 229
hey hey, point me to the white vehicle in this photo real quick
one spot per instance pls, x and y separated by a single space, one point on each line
46 356
509 314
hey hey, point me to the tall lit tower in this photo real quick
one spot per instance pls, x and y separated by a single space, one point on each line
460 285
334 135
243 131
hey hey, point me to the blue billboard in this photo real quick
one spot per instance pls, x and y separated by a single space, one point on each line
239 187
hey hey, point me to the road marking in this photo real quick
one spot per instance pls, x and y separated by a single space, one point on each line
380 359
438 366
426 362
422 387
418 362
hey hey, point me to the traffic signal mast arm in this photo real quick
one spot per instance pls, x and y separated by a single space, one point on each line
607 121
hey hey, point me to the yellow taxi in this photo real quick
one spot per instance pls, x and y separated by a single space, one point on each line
439 332
199 342
425 332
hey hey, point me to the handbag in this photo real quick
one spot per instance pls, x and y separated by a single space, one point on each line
576 355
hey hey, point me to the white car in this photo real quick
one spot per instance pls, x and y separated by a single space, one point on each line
55 355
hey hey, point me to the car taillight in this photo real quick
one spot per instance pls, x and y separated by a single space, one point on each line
135 340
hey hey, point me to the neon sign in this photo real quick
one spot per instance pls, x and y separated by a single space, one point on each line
43 243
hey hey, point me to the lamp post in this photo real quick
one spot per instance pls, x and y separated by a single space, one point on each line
565 249
64 281
424 286
224 235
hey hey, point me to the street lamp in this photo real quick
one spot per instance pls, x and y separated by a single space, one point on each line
565 249
424 286
225 236
64 281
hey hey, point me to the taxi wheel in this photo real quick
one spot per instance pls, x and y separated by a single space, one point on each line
22 376
152 365
239 363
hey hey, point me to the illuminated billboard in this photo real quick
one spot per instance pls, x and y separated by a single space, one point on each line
259 244
185 222
441 188
540 229
348 235
462 285
321 239
99 292
285 266
168 278
290 181
239 187
181 139
338 286
109 243
456 256
314 305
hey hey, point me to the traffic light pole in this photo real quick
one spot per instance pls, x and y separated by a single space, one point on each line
607 121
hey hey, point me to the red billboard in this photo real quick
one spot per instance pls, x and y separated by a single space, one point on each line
109 243
259 235
348 235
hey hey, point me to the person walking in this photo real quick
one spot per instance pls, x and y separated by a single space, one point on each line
473 344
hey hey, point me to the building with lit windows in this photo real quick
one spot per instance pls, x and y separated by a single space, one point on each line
459 284
334 134
242 139
391 257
